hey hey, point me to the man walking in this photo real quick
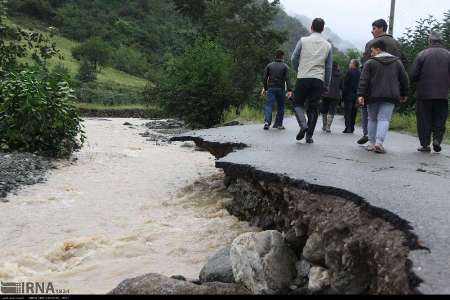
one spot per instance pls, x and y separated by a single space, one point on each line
313 59
379 32
332 98
276 79
431 72
351 83
384 82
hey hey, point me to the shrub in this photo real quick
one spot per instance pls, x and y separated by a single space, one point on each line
130 61
95 51
37 115
197 86
87 72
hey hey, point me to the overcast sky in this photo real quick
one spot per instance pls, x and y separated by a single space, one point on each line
352 19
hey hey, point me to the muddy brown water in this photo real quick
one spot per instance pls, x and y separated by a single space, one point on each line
125 208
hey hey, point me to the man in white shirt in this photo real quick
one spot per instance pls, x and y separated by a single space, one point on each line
313 59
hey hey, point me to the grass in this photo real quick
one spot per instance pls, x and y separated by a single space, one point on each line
248 115
108 75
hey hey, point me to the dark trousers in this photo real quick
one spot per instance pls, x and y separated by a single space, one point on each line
350 113
308 92
329 106
278 96
432 116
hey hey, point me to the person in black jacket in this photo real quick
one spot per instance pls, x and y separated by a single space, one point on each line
393 47
351 83
431 72
384 82
332 98
276 79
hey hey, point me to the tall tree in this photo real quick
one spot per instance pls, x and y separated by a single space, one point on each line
244 27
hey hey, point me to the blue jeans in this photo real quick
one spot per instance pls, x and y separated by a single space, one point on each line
380 115
275 95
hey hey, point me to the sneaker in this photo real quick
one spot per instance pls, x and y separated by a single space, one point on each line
363 140
266 126
301 134
437 148
424 149
309 141
279 127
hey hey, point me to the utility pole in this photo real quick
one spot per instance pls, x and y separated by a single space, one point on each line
392 18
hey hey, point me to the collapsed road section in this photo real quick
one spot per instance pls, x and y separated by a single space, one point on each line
381 225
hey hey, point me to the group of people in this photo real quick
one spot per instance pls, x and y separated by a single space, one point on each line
376 85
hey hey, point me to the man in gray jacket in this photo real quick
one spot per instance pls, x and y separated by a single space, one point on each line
393 47
275 81
313 59
431 72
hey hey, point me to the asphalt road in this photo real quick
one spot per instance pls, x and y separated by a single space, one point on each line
412 185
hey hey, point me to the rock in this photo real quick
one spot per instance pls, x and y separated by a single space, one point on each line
179 277
155 284
303 268
263 262
319 279
295 242
218 268
127 124
300 291
313 251
188 145
232 123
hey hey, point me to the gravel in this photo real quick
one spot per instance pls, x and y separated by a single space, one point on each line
21 169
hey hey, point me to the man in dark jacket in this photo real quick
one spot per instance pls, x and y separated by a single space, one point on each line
276 79
384 82
379 32
431 72
351 83
331 98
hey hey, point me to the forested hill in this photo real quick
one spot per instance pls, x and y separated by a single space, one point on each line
142 32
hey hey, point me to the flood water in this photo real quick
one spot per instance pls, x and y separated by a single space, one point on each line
124 208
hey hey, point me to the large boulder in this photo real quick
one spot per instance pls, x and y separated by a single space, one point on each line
314 250
155 284
319 279
263 262
218 268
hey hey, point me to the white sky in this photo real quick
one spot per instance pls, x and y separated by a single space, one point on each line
352 19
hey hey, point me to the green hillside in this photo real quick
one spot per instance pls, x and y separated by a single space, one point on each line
107 76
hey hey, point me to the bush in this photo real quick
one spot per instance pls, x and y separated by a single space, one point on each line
197 86
130 61
87 72
37 115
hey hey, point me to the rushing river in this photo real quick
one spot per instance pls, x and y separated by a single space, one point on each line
124 208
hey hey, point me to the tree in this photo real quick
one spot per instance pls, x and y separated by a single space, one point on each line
343 58
416 39
445 28
197 86
95 51
37 113
244 27
16 43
